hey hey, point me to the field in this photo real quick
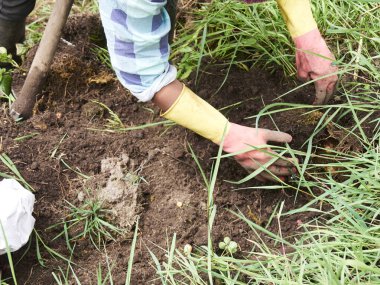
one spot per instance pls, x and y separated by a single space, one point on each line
126 197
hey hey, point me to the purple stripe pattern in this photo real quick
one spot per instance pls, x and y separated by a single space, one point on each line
123 48
119 16
164 45
130 78
156 22
137 37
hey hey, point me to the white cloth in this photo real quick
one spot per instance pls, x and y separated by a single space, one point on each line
16 220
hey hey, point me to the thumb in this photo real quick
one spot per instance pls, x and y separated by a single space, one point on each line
276 136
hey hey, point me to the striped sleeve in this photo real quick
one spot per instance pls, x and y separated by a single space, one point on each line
137 39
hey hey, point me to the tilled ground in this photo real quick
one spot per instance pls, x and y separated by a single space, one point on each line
171 197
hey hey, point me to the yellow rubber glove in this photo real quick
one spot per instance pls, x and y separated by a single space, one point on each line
192 112
313 57
298 16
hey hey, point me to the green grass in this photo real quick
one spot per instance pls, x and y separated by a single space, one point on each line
88 221
103 55
40 16
256 35
341 245
6 93
9 256
103 274
13 171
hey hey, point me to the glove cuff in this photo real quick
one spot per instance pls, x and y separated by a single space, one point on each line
192 112
298 16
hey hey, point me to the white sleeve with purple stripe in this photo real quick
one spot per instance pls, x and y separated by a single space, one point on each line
137 38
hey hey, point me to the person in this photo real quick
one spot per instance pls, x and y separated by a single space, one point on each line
12 22
138 34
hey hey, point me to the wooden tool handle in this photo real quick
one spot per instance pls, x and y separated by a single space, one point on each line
22 108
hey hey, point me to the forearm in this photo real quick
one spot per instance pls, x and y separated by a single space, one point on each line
192 112
313 57
298 16
166 97
137 38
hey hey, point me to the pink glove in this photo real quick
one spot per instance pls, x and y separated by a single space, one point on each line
240 138
314 60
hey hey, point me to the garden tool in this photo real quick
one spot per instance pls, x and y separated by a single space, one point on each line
22 108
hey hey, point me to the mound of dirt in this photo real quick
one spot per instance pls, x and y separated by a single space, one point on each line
116 188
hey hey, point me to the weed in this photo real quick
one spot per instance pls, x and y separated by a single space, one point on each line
86 6
41 244
64 277
5 159
6 77
228 246
341 245
246 35
76 171
88 221
9 255
103 55
114 122
35 28
25 137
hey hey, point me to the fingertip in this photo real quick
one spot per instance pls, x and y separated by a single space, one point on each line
320 96
331 88
289 138
302 78
303 75
277 136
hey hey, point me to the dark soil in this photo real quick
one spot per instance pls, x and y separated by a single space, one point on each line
64 118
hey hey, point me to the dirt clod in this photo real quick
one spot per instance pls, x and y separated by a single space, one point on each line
116 187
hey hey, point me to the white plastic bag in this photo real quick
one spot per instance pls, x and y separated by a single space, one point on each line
16 220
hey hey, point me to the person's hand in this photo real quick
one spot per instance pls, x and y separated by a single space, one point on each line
314 60
241 138
192 112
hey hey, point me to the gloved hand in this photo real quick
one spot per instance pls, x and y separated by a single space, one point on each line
194 113
314 60
313 57
240 138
